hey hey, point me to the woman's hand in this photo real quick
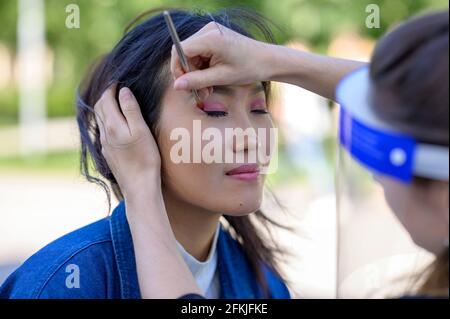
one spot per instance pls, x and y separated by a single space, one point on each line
133 157
127 143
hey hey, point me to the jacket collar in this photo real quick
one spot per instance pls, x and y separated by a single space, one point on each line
236 278
124 251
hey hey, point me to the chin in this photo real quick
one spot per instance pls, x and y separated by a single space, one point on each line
242 207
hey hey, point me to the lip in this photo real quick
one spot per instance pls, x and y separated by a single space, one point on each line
247 172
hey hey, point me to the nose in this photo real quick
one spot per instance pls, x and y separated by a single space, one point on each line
247 142
245 139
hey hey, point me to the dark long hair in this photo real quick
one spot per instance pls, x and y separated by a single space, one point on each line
139 61
410 74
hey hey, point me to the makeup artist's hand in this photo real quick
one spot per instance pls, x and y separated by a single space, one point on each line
127 143
225 57
220 56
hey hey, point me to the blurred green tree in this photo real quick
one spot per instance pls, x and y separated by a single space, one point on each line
102 23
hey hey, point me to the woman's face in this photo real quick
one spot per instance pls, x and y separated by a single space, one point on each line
229 187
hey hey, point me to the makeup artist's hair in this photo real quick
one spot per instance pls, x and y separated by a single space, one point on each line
140 61
410 76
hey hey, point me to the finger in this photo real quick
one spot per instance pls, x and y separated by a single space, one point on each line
112 118
131 110
194 47
177 69
210 27
205 93
200 79
175 64
99 119
203 46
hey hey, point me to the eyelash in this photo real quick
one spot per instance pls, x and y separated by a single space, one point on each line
260 111
222 113
216 113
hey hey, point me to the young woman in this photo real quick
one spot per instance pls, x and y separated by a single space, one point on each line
226 261
410 79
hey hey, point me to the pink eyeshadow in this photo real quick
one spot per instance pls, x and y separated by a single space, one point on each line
213 106
258 104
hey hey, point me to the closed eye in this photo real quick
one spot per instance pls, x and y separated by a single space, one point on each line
216 113
260 111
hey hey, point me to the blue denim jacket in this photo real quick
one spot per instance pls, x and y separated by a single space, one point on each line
101 256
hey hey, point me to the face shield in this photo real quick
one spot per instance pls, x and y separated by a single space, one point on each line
377 257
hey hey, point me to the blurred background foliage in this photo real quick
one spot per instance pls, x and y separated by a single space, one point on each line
43 195
102 23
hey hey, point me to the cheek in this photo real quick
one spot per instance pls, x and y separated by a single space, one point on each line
399 199
190 181
267 142
269 131
390 193
198 184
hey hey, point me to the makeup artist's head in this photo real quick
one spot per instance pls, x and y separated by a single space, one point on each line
410 74
140 61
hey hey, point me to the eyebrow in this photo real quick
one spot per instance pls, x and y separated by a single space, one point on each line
229 90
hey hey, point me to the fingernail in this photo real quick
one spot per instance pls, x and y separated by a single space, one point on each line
125 93
180 84
203 93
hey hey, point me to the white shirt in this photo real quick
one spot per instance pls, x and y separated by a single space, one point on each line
205 272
